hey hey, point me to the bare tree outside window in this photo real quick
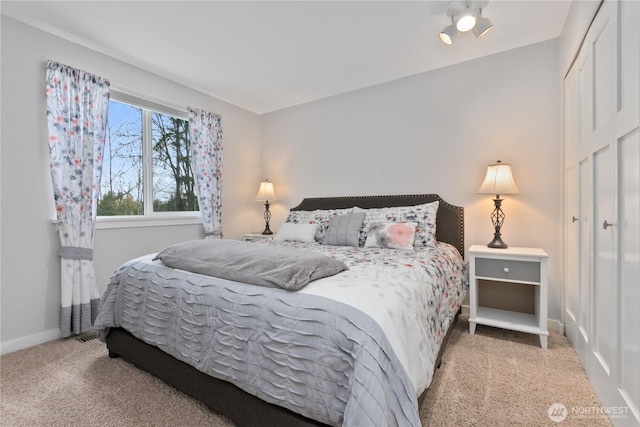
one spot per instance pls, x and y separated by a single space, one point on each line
122 190
173 183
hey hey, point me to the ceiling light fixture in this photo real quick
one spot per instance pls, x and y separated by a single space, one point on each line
466 15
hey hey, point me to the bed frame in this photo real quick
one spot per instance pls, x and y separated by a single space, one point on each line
225 398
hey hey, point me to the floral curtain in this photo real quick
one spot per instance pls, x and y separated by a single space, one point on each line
77 104
205 134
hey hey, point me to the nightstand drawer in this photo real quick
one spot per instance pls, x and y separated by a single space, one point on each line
252 237
526 271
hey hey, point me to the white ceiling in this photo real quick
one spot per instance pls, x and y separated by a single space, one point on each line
268 55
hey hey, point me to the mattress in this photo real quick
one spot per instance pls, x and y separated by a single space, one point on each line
356 348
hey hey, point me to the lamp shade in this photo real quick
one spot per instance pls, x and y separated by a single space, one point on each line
266 192
499 180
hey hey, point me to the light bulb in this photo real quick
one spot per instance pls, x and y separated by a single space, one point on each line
466 23
446 39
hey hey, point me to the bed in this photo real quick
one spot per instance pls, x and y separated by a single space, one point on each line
385 389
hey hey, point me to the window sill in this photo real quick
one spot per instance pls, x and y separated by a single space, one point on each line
105 223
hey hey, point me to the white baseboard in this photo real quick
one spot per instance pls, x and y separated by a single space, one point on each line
552 324
465 310
555 325
30 341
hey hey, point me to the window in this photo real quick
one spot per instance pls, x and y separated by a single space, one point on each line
147 163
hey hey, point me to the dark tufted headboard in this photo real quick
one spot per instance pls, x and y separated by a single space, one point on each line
449 220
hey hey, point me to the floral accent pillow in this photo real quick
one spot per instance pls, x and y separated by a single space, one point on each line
320 217
423 215
392 235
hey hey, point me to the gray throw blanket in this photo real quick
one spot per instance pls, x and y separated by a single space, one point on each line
271 266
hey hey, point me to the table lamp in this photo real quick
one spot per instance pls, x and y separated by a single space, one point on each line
498 180
265 194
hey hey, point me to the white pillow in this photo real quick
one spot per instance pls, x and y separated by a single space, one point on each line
296 232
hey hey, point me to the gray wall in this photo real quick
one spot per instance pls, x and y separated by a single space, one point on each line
437 132
30 294
433 132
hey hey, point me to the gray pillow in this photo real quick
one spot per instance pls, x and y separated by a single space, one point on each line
344 230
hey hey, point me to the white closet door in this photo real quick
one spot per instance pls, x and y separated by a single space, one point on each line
602 289
598 87
585 69
601 44
627 134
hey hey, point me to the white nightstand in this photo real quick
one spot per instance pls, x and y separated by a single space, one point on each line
513 265
256 236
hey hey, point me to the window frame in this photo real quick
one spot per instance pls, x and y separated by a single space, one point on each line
149 218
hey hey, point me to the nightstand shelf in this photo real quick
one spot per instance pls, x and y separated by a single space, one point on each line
525 266
506 319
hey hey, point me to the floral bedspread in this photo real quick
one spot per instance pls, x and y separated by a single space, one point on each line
354 349
413 295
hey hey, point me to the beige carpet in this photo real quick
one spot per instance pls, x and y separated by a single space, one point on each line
495 378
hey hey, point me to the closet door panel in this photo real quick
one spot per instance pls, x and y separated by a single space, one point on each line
604 289
586 112
628 83
584 310
572 295
601 81
572 113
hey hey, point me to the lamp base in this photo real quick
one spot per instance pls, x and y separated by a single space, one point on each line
497 218
497 242
267 217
